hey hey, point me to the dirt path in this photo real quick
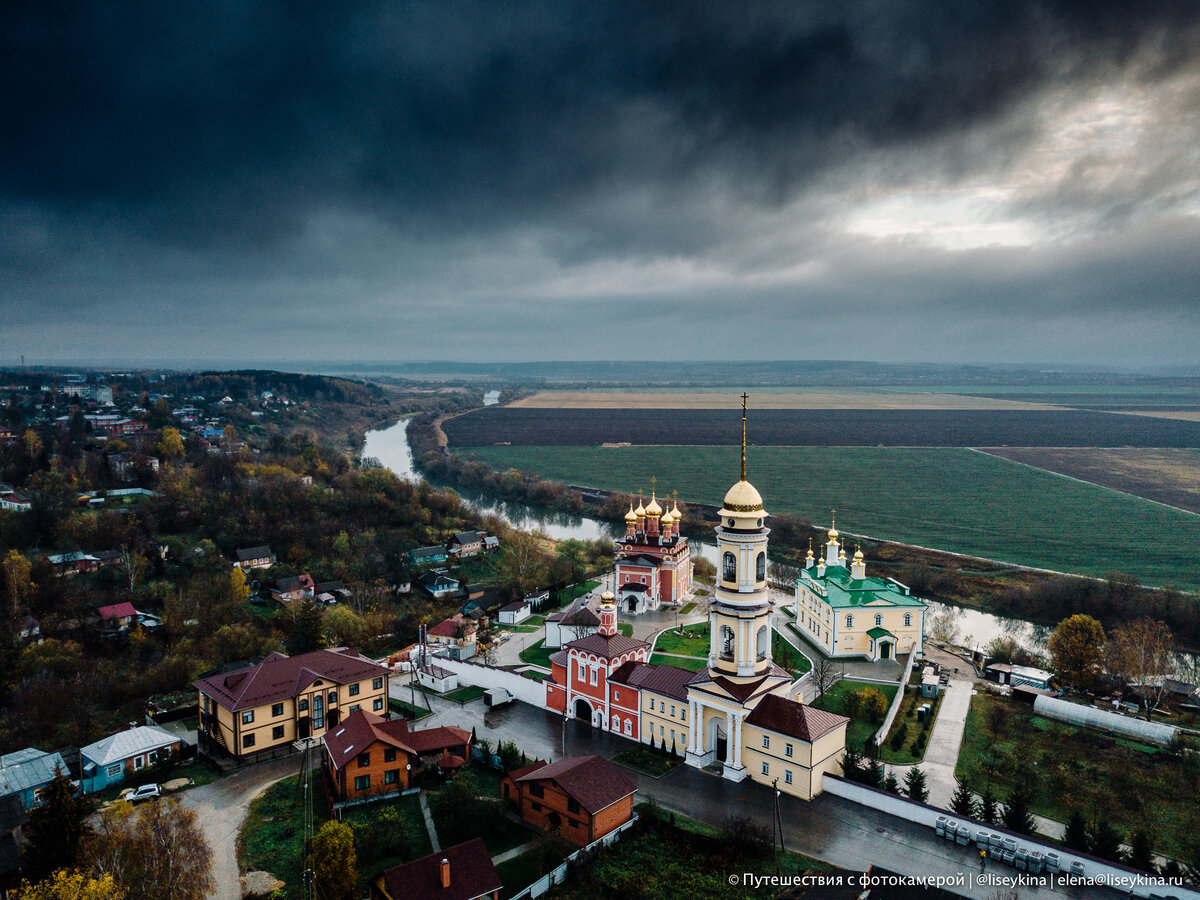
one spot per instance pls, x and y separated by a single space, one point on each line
221 808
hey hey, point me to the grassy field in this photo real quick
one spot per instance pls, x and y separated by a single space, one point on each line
1132 785
858 731
465 694
906 723
654 763
1168 476
790 399
820 427
538 654
692 642
949 498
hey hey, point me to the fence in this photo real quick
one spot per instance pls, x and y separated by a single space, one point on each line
897 702
559 874
1100 871
522 687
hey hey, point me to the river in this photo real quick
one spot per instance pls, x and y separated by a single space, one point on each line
390 446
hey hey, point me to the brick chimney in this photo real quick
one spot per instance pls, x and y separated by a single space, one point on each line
445 872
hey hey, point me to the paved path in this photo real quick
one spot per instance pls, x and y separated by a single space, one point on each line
945 740
429 826
220 809
513 853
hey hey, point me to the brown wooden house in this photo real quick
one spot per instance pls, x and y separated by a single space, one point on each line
584 797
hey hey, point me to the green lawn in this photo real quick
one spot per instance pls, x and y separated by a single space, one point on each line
408 710
625 628
788 656
680 662
651 762
858 731
537 654
566 595
1067 768
906 721
693 641
272 836
951 498
465 694
687 609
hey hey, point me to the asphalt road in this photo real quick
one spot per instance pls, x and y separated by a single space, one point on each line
829 828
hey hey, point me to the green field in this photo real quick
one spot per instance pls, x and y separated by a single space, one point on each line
859 730
946 498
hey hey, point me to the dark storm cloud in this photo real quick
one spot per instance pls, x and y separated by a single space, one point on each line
191 169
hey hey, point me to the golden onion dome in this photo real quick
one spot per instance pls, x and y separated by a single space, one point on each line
833 534
667 518
607 597
810 553
640 512
858 555
675 514
653 509
631 516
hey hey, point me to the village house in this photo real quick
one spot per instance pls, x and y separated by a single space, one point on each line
465 544
366 756
118 616
515 613
261 557
461 872
73 563
581 797
16 500
438 582
456 635
436 678
297 587
24 773
425 556
111 760
286 698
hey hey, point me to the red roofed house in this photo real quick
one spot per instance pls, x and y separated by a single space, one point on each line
118 615
286 698
456 634
368 755
462 872
585 797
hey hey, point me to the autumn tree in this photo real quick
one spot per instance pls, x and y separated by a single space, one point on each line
334 861
56 828
67 884
133 561
238 588
18 581
1075 649
1141 652
157 850
522 565
170 444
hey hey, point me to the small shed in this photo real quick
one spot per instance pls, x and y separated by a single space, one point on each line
436 678
930 683
515 613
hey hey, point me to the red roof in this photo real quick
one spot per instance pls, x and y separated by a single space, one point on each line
514 774
441 738
805 723
592 780
117 611
453 761
670 681
359 731
607 646
449 627
472 875
280 677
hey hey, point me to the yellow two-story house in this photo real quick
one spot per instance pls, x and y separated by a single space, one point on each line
790 746
282 699
847 614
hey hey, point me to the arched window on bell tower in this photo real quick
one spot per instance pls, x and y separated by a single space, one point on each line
728 567
725 648
760 567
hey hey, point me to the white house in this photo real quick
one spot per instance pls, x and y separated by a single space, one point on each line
436 678
515 613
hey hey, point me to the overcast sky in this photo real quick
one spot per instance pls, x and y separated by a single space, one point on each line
985 180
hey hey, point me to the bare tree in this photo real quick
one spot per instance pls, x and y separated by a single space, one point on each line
825 673
1140 652
134 564
944 627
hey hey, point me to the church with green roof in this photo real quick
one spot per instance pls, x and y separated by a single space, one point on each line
850 615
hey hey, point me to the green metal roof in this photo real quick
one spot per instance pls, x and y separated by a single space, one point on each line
843 592
877 633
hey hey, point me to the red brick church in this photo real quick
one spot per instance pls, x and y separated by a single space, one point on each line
653 560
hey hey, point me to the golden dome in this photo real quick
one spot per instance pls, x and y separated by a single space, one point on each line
675 514
653 509
607 597
858 555
631 516
640 512
743 497
833 534
810 553
667 518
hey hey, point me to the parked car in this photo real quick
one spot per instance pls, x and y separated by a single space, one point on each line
145 792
